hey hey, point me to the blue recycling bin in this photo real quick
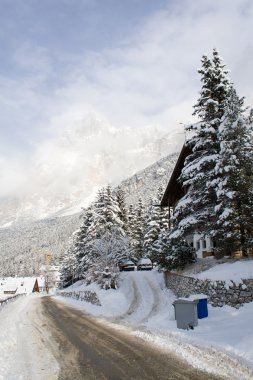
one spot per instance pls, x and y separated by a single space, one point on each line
202 308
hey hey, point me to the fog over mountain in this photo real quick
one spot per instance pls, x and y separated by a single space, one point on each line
23 246
67 170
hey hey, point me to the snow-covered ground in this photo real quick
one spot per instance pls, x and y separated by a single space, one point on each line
142 306
228 271
221 343
23 352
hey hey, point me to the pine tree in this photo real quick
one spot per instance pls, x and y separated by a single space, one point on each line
123 211
234 168
68 265
131 221
100 241
138 231
108 242
81 244
164 211
152 226
105 214
195 211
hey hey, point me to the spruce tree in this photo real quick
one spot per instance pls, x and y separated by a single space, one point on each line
195 211
234 168
123 211
152 226
82 243
68 265
138 231
164 211
105 214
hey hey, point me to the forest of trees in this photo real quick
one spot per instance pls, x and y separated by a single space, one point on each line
218 175
111 231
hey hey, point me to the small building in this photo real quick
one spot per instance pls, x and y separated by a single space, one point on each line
10 287
19 285
42 284
204 245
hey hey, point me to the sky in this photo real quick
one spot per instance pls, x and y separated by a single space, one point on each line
130 63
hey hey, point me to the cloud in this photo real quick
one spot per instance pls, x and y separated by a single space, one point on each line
149 77
152 76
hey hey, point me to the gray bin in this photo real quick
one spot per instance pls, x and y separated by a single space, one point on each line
186 313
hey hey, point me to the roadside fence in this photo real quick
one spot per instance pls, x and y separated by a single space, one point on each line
86 295
4 301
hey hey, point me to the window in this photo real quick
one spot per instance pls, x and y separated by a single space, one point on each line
204 243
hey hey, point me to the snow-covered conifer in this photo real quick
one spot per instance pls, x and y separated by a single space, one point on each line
138 231
82 241
105 214
152 226
68 265
123 211
234 168
195 211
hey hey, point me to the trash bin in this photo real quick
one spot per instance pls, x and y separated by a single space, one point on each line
186 313
202 305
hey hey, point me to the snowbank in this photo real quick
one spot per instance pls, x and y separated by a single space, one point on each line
143 305
235 271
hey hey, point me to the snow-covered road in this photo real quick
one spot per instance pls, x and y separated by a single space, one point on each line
24 344
141 308
147 299
144 306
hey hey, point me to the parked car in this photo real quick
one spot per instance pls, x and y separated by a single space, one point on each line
144 264
126 265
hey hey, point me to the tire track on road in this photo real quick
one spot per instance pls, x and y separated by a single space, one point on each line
134 305
157 298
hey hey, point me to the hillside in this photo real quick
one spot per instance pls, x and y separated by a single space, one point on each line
24 244
145 183
66 174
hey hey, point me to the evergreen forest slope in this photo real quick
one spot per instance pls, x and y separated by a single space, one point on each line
24 244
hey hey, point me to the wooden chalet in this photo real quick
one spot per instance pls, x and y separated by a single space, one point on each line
204 245
19 285
175 190
10 288
173 193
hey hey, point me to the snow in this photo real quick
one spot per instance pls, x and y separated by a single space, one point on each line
221 343
141 306
235 271
23 355
6 225
19 285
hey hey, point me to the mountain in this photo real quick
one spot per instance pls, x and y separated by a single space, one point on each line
68 170
145 183
25 245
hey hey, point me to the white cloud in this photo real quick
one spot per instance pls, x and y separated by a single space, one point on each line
150 78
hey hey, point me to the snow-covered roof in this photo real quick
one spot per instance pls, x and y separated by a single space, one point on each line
145 260
10 286
174 189
18 284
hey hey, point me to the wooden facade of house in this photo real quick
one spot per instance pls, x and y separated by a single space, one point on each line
174 190
173 193
204 245
36 288
10 290
19 285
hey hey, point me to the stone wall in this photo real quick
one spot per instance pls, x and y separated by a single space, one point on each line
220 293
86 295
